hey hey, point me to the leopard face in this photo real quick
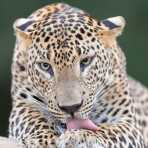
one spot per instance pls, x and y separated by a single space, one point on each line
70 59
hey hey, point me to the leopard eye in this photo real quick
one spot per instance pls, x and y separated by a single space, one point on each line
46 67
85 62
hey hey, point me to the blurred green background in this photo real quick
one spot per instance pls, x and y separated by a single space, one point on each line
133 41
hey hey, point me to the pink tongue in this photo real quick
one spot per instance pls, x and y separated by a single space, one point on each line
81 124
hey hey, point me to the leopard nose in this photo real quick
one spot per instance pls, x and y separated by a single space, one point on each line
71 109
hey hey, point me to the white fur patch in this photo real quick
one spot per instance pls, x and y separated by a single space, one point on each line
118 20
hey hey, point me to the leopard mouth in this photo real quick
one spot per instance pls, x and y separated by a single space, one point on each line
75 123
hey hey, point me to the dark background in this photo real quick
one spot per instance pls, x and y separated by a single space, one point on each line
133 41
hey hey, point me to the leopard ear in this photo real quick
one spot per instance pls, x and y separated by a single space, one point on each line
114 25
23 41
20 27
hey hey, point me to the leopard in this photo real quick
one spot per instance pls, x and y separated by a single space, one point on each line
70 87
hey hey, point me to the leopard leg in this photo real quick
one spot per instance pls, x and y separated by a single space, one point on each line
29 127
120 135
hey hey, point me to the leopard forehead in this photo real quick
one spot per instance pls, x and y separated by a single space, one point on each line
67 35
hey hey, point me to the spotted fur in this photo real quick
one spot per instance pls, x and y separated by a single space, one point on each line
84 65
